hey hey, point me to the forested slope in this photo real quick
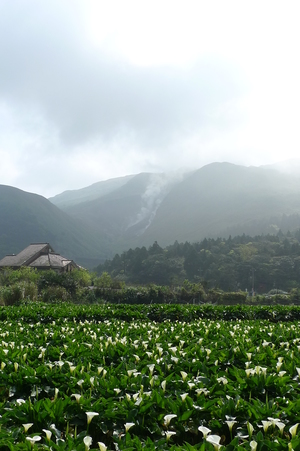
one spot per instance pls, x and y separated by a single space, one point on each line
264 262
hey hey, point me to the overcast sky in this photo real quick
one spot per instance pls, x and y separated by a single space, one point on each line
92 89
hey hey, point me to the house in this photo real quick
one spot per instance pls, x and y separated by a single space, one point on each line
40 256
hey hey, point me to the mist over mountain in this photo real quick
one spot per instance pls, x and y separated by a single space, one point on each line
125 213
94 223
216 200
222 199
73 197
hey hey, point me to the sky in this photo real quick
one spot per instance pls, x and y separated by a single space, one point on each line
96 89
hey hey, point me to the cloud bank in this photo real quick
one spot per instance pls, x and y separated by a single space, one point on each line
89 91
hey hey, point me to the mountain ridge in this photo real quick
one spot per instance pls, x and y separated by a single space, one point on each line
27 218
96 222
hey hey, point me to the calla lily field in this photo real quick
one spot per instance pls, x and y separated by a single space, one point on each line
111 377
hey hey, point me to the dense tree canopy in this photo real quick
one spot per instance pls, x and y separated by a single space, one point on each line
262 263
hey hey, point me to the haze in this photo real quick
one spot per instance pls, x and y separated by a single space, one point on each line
91 90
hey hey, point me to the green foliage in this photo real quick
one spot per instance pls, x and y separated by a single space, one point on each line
192 293
64 280
11 295
54 294
104 281
153 384
35 312
233 264
238 297
18 292
80 286
295 294
82 277
10 276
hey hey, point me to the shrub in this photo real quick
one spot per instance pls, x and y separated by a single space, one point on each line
52 279
234 297
11 295
54 294
88 296
214 296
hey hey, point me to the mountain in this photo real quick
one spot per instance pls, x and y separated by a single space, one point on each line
96 222
222 199
73 197
29 218
216 200
124 214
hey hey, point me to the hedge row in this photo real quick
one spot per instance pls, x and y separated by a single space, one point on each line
45 313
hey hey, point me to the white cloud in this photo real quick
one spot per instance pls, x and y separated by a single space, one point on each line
93 89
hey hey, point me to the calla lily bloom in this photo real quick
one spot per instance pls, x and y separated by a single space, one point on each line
48 434
163 385
266 425
168 418
87 442
183 396
151 368
76 396
34 439
128 426
102 446
56 391
130 372
90 416
80 382
230 424
280 426
250 429
205 431
253 445
293 430
27 426
169 434
215 441
183 375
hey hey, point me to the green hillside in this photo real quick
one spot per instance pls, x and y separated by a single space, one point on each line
26 218
262 262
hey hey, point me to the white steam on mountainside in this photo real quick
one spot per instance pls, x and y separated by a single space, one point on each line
157 189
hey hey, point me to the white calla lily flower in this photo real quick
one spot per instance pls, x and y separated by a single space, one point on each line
87 442
90 416
168 418
205 431
128 426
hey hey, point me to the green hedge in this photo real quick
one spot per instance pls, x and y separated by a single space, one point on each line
45 313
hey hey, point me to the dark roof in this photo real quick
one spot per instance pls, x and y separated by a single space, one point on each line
37 255
51 260
23 257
